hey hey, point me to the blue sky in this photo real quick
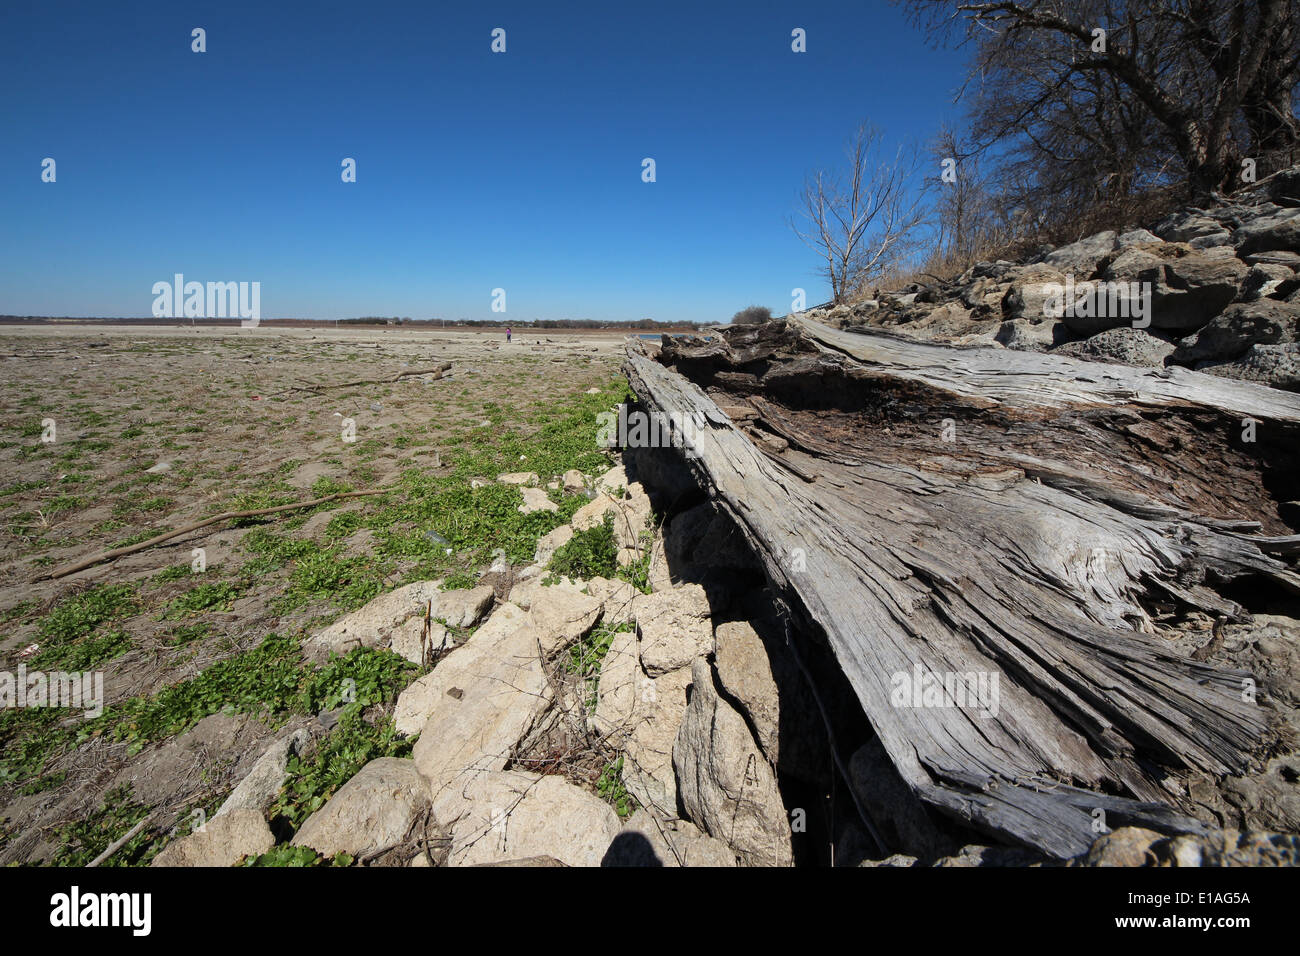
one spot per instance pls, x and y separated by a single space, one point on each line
475 170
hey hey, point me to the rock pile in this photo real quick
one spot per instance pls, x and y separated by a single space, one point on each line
1221 284
499 692
697 708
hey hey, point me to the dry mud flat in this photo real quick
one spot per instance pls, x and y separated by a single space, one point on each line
111 435
343 684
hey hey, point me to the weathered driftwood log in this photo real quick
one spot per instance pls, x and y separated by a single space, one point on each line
1009 524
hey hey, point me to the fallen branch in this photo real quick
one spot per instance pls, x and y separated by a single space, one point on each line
120 842
437 372
216 519
1027 550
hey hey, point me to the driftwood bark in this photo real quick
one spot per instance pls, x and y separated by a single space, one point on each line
997 513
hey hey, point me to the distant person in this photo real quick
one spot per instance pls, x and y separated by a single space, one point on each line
507 335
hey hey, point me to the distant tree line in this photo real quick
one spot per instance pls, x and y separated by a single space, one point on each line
371 321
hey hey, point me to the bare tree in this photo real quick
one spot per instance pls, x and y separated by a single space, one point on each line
861 220
968 218
1216 77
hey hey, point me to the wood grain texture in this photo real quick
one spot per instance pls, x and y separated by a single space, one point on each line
1031 550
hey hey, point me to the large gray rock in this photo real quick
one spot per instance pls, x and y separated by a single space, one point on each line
983 296
757 671
649 840
475 707
520 478
535 499
593 512
1188 288
504 816
745 673
374 624
1032 291
640 716
673 626
574 481
551 542
222 841
1276 257
620 687
1227 336
1268 279
374 811
802 745
1186 225
561 617
1028 335
725 784
1215 240
525 592
1124 344
261 785
1083 257
1278 231
463 608
1274 365
616 596
378 623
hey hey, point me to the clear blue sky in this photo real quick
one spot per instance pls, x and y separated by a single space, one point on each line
474 170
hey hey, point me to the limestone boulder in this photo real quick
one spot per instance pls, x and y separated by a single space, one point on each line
475 707
1082 258
222 841
1124 344
1029 335
1280 231
673 627
261 785
650 840
1274 365
640 716
724 783
403 610
374 811
1227 336
508 816
536 499
561 617
573 481
372 625
1032 292
519 478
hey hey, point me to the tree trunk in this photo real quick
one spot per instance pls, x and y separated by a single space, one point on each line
992 519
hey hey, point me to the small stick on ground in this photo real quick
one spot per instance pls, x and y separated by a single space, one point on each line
120 842
437 371
225 516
